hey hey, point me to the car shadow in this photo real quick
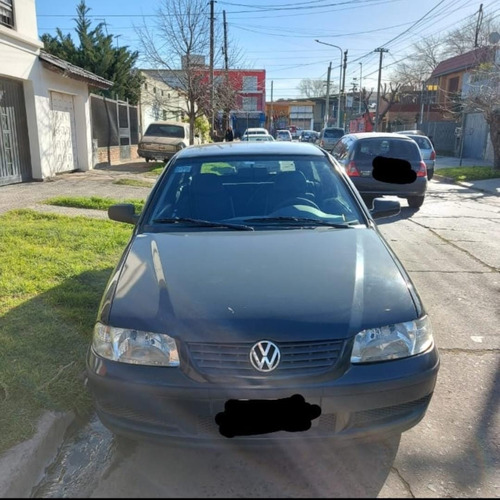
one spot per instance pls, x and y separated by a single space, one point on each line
406 213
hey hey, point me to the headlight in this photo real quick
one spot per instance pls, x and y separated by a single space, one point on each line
392 341
134 346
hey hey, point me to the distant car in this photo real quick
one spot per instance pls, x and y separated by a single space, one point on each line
411 132
254 131
283 135
308 136
256 301
329 136
163 139
357 152
427 150
258 138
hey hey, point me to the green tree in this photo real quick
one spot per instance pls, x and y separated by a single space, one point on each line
96 53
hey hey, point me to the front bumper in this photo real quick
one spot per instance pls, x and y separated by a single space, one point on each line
370 186
165 404
155 155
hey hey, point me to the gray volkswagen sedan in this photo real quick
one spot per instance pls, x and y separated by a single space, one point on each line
257 300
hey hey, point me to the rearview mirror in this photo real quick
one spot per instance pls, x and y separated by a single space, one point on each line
123 212
385 208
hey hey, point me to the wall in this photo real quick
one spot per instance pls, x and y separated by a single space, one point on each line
43 82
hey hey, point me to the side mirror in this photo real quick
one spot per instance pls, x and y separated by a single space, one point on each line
385 208
123 212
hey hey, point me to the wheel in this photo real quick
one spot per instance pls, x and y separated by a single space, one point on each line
430 174
147 160
297 201
415 201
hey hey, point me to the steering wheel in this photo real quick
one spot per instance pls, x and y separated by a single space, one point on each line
296 201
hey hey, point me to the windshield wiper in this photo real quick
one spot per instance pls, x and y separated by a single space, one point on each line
308 220
201 222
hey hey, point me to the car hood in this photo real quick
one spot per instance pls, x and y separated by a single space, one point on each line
217 285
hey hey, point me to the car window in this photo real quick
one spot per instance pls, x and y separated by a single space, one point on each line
159 130
233 190
393 148
333 134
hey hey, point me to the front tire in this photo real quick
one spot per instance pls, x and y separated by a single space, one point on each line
416 201
147 160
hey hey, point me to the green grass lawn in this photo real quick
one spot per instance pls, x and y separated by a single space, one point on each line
53 272
92 202
469 173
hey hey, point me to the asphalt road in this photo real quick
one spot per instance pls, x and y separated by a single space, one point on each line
451 248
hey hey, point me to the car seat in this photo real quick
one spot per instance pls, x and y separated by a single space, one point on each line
208 198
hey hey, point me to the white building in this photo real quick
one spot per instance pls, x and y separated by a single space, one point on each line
45 124
159 101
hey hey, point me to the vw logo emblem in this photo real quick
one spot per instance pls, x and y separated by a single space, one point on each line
265 356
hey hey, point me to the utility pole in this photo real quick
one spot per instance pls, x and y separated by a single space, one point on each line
226 60
327 108
478 25
212 111
360 85
342 124
271 119
381 50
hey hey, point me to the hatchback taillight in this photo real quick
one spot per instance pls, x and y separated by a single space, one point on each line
352 170
422 171
433 155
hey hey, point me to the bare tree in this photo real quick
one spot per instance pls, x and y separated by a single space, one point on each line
388 95
175 44
464 38
482 95
312 88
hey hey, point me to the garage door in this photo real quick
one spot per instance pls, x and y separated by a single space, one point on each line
65 155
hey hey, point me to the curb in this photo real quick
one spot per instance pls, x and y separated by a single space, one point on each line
469 185
22 467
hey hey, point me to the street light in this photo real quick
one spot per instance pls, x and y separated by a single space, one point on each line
340 78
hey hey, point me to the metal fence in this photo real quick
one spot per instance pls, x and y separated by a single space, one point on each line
446 142
114 124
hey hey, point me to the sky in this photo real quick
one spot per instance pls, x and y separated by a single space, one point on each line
280 36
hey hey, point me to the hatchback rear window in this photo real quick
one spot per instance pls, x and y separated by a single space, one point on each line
333 134
158 130
392 148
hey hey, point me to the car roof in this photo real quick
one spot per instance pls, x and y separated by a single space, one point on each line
375 135
242 148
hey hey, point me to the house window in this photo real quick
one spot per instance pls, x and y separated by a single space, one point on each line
145 86
154 90
453 84
165 118
6 13
249 84
249 103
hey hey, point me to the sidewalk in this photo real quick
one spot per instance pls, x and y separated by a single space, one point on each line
488 186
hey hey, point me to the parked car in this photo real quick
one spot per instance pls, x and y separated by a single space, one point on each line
283 135
329 136
163 139
257 300
254 131
427 150
309 136
357 153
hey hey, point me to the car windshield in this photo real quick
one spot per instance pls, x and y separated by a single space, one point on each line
159 130
262 192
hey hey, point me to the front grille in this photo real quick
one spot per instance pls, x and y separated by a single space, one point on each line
361 418
234 358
